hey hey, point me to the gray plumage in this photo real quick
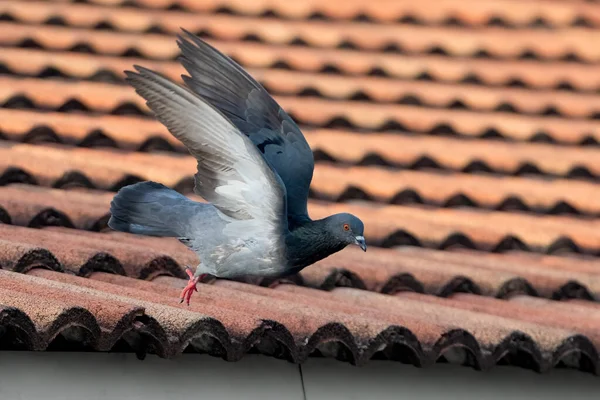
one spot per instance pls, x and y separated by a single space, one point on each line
254 169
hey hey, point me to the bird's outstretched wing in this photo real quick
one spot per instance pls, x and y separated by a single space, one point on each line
231 90
232 174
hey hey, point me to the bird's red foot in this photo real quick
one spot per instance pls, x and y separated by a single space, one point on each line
187 291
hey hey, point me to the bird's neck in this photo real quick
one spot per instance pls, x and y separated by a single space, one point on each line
295 220
309 243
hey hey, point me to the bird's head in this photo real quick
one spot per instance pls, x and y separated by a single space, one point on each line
348 229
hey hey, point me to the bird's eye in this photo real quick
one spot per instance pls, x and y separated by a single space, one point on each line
346 227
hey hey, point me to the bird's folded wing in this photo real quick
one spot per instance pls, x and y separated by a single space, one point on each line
232 174
231 90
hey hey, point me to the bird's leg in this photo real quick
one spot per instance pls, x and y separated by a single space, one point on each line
187 291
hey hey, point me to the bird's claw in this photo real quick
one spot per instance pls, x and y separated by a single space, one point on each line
191 287
186 293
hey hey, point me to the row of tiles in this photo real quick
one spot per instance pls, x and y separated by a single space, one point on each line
385 226
134 133
229 319
435 272
101 97
109 170
375 89
497 42
468 12
529 73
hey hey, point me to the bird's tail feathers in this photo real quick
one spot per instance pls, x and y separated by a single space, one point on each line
149 208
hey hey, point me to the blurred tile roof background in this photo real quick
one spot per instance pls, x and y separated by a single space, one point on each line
463 132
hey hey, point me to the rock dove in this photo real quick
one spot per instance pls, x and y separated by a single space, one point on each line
254 171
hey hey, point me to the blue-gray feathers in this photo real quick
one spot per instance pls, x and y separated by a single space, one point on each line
149 208
254 169
226 86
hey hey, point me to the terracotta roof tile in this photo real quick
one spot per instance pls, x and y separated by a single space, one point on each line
443 273
403 150
434 272
454 41
386 271
534 74
312 111
34 206
338 87
464 134
468 12
447 227
407 150
308 326
486 330
384 185
409 187
166 327
83 308
330 181
566 315
316 318
81 255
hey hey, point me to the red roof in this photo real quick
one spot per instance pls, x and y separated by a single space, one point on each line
463 133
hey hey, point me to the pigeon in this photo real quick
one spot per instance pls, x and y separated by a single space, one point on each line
254 169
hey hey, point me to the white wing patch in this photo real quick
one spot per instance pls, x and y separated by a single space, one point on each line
232 174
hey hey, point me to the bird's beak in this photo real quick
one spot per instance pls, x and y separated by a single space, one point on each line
360 241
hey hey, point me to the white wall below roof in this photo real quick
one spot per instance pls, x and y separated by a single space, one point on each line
331 380
93 376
